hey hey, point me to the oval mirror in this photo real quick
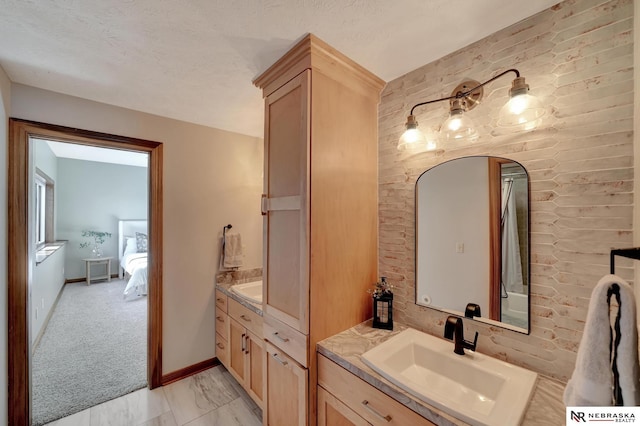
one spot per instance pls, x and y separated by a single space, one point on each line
472 240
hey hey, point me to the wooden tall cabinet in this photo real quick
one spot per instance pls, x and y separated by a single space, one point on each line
320 214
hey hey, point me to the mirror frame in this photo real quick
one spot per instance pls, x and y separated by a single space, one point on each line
495 242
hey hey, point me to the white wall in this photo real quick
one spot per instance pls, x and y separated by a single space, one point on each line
5 112
451 278
211 178
44 158
94 196
48 279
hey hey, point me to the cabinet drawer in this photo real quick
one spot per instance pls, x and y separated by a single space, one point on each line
286 338
221 301
222 325
331 411
222 350
368 402
246 317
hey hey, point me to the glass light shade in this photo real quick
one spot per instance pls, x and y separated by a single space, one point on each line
523 111
414 140
458 127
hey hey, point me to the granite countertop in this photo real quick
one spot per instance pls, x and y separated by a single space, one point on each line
546 406
226 289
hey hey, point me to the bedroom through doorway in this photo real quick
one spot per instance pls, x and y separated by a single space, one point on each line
89 286
84 287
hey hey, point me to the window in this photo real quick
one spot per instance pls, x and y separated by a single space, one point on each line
43 204
41 210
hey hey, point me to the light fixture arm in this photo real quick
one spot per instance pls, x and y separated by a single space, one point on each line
460 95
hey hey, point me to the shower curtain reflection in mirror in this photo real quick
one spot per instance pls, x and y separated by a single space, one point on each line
513 275
511 261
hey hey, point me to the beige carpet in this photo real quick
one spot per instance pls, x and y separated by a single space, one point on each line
93 350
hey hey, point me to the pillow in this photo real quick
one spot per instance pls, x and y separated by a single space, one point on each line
132 246
141 242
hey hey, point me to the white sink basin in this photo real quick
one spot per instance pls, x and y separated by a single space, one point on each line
475 388
250 291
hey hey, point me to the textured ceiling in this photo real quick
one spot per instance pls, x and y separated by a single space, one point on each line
194 60
93 153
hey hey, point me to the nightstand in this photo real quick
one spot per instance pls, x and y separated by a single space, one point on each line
92 262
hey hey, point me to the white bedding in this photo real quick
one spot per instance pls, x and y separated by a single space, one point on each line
135 265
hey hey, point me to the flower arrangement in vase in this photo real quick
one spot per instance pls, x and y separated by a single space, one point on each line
98 238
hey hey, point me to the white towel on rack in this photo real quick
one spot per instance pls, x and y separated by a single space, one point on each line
628 347
592 380
232 252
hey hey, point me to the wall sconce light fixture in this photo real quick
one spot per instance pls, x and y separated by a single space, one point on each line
522 112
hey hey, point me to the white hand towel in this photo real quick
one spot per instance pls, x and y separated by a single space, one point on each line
628 348
232 254
592 380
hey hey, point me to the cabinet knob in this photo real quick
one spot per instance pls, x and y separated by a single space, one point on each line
244 317
220 345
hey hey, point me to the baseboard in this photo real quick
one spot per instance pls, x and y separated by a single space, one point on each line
189 371
82 280
45 323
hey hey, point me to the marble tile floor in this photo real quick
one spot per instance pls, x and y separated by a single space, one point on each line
212 397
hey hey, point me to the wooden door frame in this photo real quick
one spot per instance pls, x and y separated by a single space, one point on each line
19 353
495 236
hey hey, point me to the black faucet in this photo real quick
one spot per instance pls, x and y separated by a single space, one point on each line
453 330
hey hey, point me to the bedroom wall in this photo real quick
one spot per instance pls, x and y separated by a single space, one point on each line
48 276
5 113
48 280
211 178
94 196
45 159
578 59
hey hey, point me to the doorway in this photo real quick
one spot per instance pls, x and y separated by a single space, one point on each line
22 253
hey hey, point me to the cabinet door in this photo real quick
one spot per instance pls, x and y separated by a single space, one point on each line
285 204
254 357
237 349
287 392
332 412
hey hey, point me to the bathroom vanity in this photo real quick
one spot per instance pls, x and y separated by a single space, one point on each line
346 382
240 346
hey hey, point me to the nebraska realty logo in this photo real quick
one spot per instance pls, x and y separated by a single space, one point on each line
581 415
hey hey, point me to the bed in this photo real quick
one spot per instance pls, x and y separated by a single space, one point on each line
132 257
